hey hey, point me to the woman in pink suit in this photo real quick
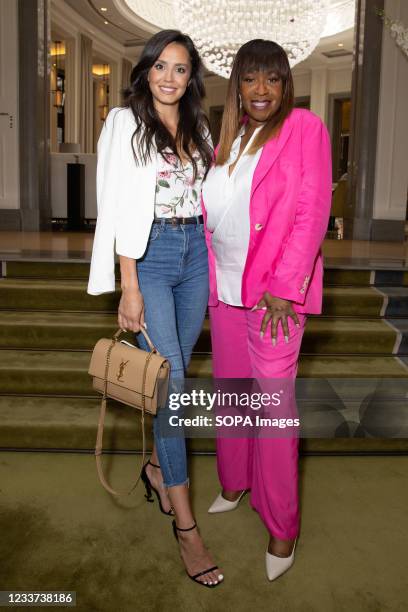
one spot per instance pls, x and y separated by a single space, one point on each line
266 209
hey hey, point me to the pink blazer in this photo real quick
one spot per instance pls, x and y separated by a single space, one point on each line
289 212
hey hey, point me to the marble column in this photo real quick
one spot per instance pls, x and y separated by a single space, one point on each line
34 82
358 214
10 218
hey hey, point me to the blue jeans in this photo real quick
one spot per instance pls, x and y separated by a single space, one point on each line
173 279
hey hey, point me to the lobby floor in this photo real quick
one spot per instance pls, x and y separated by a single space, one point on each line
61 530
77 246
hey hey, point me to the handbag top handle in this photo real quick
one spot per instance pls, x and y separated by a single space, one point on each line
145 334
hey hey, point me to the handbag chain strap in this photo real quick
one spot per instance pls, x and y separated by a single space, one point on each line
99 438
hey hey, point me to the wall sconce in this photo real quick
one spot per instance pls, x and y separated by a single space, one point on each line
58 92
104 72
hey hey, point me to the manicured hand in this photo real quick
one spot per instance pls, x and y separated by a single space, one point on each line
131 310
277 310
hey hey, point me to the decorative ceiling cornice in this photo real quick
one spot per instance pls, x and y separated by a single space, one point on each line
106 17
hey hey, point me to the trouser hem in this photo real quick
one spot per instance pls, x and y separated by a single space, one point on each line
177 484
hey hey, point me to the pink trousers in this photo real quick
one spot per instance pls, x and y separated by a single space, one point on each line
266 466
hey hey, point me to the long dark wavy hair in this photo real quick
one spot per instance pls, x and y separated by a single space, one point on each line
193 127
265 56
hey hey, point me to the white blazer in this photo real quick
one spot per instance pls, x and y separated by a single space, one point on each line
125 196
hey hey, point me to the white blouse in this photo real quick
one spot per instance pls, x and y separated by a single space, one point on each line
226 200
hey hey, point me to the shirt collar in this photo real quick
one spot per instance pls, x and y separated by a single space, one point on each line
243 127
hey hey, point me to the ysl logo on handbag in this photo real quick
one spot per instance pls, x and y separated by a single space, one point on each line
119 377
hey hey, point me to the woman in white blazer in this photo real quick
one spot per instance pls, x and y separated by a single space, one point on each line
153 154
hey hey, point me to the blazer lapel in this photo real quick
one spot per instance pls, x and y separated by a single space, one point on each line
270 153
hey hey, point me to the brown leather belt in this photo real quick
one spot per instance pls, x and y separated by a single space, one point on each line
180 220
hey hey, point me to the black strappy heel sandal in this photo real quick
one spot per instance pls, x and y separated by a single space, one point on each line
210 569
149 488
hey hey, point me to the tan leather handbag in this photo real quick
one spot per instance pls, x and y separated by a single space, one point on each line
132 376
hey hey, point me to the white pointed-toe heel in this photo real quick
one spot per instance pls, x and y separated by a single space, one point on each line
224 505
276 566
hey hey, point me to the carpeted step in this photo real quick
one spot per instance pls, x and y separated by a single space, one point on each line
47 269
55 330
401 325
80 331
68 423
71 424
45 372
54 294
395 301
50 325
351 366
333 275
336 275
338 336
353 301
70 295
66 372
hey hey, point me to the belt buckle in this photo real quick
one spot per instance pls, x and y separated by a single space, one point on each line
174 221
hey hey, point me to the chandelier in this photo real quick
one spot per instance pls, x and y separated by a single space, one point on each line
220 27
340 17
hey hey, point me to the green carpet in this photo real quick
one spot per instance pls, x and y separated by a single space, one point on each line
69 423
50 324
81 331
80 270
48 269
70 295
61 531
77 270
66 372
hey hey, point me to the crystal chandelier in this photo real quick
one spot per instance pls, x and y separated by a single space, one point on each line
340 17
220 27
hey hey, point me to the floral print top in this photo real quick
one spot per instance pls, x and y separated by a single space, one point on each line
177 193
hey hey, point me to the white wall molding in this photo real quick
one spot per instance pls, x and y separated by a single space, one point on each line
391 175
339 79
302 84
319 91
